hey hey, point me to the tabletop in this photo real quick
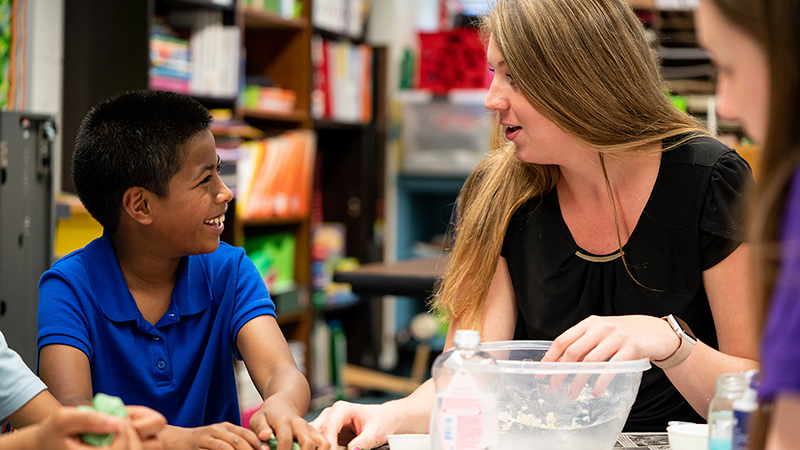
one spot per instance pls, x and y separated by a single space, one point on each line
626 441
413 277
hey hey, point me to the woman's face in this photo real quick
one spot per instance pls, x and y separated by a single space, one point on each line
742 71
537 139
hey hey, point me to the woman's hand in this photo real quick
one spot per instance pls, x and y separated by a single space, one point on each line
287 426
356 426
616 338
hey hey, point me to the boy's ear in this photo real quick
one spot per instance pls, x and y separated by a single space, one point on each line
135 205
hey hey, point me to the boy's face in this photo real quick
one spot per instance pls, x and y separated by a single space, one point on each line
189 219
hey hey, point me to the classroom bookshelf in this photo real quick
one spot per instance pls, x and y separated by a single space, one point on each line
254 59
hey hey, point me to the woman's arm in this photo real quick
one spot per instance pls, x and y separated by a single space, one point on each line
371 424
728 287
631 337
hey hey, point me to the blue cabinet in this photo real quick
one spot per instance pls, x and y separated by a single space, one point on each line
424 210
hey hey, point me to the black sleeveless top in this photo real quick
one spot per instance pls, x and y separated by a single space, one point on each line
691 221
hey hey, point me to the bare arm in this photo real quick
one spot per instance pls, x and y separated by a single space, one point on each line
373 423
783 432
284 389
67 373
728 289
632 337
37 409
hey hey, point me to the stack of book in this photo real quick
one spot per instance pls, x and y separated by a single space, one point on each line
274 176
342 88
169 62
214 52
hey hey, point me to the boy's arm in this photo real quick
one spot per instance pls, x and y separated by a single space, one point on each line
284 389
66 372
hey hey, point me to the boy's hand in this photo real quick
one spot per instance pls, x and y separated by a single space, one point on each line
287 427
218 435
148 425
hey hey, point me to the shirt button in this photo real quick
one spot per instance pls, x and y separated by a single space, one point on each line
161 364
156 338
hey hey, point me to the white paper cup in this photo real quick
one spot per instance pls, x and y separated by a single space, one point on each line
409 442
688 436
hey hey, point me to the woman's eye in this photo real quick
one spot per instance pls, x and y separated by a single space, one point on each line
511 80
219 167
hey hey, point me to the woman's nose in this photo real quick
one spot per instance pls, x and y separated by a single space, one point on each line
495 100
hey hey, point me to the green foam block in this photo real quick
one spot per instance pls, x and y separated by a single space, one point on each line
106 404
273 443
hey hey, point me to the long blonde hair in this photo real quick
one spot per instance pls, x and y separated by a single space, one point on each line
773 25
587 66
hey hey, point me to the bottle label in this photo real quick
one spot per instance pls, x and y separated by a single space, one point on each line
741 430
462 418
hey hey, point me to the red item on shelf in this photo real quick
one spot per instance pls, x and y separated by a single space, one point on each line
454 59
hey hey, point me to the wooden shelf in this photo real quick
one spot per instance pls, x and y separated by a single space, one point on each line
292 317
294 117
271 222
335 35
327 124
209 4
259 19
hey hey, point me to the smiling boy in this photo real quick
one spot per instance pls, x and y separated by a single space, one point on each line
155 310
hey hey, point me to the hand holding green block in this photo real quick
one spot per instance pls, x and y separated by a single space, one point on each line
106 404
273 443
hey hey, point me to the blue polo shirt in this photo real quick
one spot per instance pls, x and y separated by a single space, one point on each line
183 365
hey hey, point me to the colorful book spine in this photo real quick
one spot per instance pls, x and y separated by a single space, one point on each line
275 176
342 84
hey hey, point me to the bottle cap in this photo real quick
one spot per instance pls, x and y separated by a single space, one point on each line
467 338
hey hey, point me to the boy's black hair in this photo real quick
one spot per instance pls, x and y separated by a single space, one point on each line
134 139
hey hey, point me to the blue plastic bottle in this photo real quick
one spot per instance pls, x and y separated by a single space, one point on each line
743 410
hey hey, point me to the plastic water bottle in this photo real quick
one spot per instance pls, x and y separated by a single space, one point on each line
730 387
464 416
743 410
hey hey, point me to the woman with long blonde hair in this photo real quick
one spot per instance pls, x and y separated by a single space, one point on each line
604 219
755 45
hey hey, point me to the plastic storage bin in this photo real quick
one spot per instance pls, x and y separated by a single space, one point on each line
444 135
561 406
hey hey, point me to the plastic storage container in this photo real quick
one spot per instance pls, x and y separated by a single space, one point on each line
561 406
730 387
444 135
464 416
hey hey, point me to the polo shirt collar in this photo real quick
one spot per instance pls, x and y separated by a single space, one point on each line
115 299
